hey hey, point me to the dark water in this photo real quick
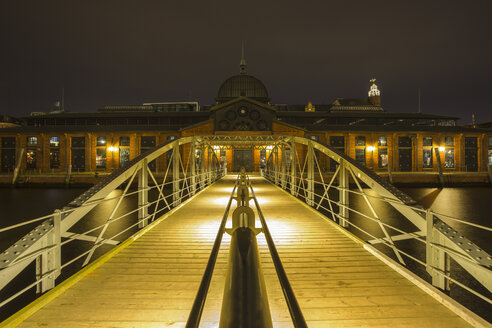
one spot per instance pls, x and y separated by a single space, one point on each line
469 203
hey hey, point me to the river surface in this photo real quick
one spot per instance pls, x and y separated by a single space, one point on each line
469 203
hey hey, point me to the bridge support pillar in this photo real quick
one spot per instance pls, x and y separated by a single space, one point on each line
437 261
176 176
343 183
293 178
193 167
49 262
143 195
310 175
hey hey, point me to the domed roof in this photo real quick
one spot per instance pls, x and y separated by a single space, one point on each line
242 85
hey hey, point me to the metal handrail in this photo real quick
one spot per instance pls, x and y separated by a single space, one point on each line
245 302
290 298
97 202
201 296
390 201
187 179
441 241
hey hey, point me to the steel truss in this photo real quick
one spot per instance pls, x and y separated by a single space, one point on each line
294 165
44 243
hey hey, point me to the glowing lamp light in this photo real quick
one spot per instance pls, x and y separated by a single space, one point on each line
269 147
216 147
112 149
371 148
441 148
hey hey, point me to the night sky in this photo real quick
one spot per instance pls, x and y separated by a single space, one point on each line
128 52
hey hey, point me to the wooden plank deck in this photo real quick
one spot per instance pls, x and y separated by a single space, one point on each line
153 282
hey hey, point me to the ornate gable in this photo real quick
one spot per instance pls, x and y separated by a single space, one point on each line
243 114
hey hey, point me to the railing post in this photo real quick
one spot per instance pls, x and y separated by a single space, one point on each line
343 183
143 195
192 167
209 166
437 260
176 175
310 175
283 177
293 178
275 163
202 168
49 262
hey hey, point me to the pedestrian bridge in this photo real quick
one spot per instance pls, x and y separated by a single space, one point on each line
316 274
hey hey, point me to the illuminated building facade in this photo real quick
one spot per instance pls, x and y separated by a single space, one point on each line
113 135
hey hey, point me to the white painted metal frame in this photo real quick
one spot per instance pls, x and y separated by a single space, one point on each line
44 243
442 241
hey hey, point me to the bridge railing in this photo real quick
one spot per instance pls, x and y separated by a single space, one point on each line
106 214
295 164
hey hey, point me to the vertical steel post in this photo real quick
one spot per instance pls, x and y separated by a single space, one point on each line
293 178
192 167
343 183
437 260
202 167
275 163
310 174
209 166
48 264
283 178
176 175
143 195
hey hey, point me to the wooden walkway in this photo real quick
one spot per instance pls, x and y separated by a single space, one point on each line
153 282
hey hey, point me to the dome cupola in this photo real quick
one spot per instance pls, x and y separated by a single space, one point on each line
242 85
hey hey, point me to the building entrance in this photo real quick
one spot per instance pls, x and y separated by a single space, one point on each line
243 157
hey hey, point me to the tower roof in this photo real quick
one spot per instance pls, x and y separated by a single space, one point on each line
242 85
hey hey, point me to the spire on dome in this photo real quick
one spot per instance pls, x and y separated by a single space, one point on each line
374 91
242 63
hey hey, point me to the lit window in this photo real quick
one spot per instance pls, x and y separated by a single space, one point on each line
427 158
360 155
31 159
32 141
382 141
449 158
383 157
360 141
124 156
449 141
101 141
101 158
124 141
54 141
427 141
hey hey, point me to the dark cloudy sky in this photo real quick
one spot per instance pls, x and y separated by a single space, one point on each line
129 52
